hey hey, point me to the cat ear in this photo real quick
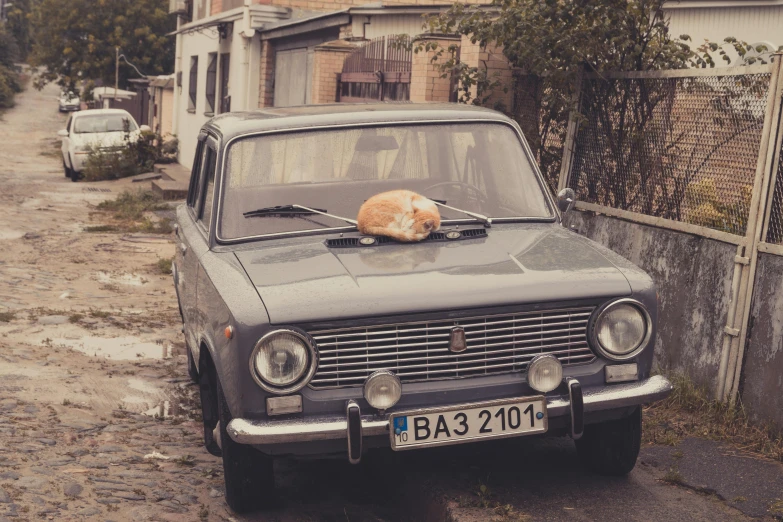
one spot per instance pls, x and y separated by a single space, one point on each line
429 224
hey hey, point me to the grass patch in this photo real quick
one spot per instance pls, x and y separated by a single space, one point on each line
99 314
7 317
75 318
129 212
164 265
776 509
689 412
101 228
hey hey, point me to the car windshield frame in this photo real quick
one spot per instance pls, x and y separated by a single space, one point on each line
133 125
223 164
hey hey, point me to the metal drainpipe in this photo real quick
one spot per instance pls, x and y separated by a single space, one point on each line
177 69
247 37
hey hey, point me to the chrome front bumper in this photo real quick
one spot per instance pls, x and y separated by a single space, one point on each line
335 427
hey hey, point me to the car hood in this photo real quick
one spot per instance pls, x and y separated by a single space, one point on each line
303 281
102 139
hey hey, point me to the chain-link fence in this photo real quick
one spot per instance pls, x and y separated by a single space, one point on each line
672 145
775 230
544 126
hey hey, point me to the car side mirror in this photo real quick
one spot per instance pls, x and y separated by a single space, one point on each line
566 199
62 133
145 128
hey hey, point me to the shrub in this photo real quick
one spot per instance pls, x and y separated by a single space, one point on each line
134 157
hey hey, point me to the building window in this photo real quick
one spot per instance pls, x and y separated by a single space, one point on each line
225 99
193 83
211 82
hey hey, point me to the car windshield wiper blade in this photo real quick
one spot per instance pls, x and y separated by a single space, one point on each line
481 217
293 211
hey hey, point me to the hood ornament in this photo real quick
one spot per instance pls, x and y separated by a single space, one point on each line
457 342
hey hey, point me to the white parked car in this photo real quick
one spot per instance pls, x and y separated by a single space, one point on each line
69 102
103 129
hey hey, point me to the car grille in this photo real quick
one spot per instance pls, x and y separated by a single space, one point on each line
420 351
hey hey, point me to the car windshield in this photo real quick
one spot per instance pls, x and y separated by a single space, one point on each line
103 123
481 168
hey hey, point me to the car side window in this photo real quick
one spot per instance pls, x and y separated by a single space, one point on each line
195 176
210 163
198 202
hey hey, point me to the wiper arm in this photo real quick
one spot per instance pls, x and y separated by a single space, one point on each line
481 217
293 211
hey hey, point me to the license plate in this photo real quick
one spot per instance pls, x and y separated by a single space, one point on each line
468 422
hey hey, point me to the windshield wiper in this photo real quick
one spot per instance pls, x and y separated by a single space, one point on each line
293 211
481 217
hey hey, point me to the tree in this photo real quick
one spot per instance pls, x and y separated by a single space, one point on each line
18 25
9 79
551 43
76 39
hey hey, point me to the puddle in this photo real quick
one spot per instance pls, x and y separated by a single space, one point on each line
121 279
10 234
183 402
117 348
142 386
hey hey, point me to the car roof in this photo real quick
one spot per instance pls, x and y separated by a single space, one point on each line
94 112
235 124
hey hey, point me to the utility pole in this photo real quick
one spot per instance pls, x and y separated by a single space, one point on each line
116 71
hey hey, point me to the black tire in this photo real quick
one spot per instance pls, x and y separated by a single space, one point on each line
209 405
74 175
67 170
611 447
248 473
192 370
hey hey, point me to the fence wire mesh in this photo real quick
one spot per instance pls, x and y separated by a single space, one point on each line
681 148
775 230
544 126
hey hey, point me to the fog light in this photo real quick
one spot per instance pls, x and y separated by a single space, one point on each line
382 390
544 373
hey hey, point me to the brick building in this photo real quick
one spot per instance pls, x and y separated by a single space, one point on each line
246 54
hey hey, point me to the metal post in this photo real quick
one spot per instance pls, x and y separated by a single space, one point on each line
573 127
116 71
753 233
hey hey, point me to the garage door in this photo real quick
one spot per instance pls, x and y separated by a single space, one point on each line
292 71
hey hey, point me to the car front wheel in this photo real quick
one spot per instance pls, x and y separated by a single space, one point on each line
248 473
611 447
67 170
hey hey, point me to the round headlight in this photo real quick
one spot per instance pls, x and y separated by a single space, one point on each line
622 328
544 373
382 390
283 361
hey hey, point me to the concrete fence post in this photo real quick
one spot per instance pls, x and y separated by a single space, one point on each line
427 83
328 61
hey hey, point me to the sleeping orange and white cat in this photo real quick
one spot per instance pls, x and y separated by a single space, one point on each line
399 214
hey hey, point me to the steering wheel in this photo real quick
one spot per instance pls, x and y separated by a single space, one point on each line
480 196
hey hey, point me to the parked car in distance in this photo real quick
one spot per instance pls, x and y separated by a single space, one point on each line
102 129
308 338
69 102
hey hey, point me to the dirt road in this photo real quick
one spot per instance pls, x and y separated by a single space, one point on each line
99 422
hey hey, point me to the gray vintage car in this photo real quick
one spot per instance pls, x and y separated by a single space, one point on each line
308 338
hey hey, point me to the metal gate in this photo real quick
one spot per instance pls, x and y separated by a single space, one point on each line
380 70
701 153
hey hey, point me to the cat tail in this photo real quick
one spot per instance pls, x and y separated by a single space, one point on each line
399 235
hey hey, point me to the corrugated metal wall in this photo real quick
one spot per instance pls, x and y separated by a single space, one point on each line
386 25
752 24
